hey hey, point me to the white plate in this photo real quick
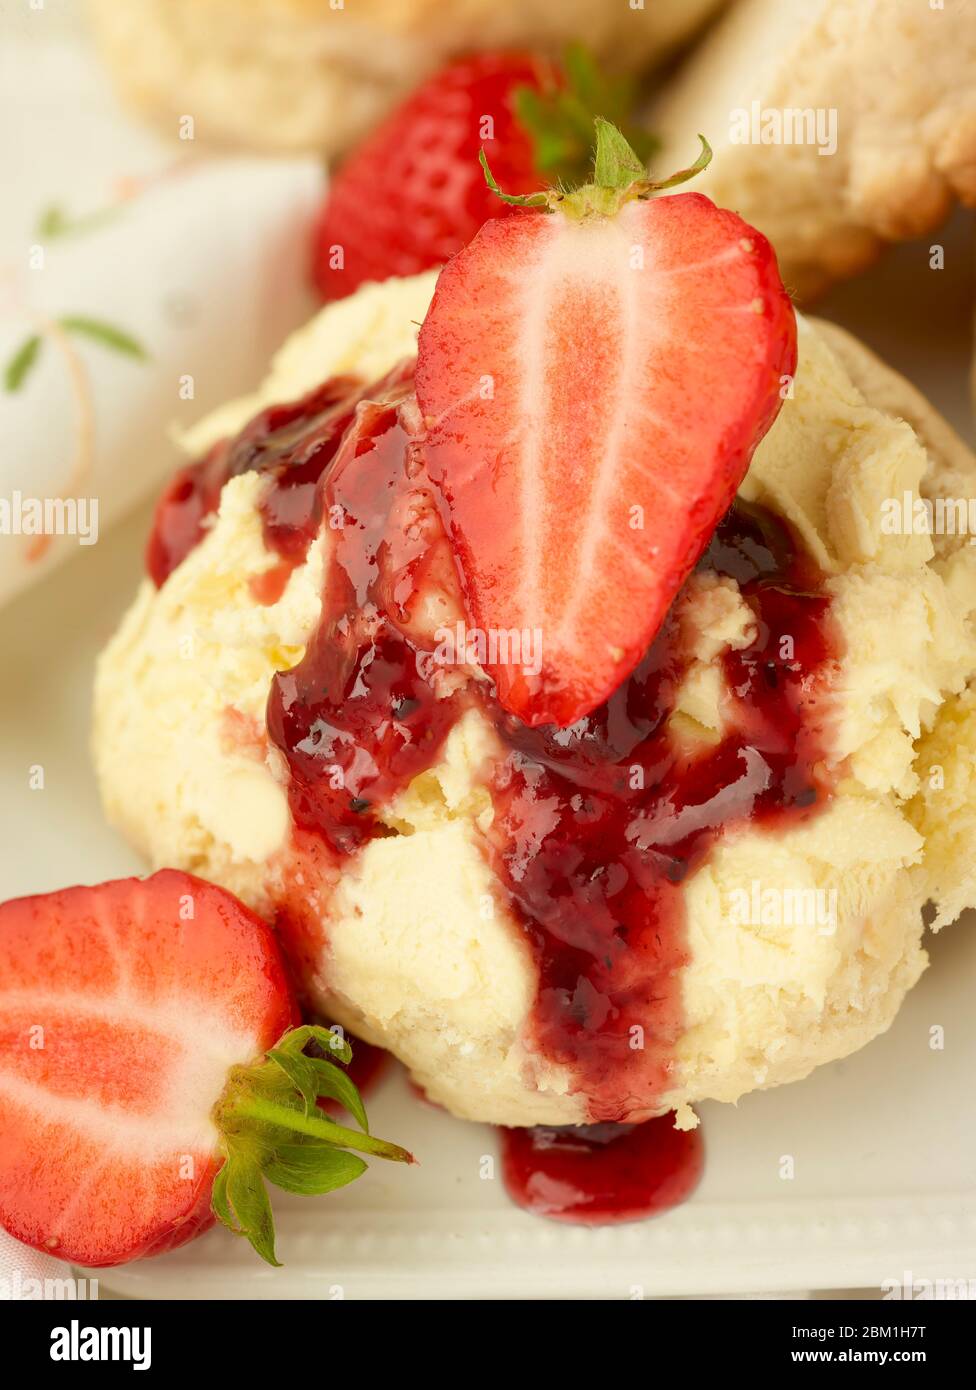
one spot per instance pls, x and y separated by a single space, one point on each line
884 1143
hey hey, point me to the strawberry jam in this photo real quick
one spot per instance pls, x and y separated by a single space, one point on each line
597 828
291 444
597 1174
359 716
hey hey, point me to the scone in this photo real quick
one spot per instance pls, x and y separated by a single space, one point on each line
316 75
881 95
802 933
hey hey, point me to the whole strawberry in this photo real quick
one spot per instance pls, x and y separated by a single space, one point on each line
412 195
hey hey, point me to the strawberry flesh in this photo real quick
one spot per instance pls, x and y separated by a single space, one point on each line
593 391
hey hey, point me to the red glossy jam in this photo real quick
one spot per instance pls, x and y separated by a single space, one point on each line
358 718
600 1174
597 827
291 444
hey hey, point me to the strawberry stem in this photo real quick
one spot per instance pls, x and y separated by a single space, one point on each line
542 199
271 1129
618 177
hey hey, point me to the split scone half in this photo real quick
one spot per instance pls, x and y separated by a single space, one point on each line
882 94
296 75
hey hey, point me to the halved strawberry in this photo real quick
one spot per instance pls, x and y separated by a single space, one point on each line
133 1021
595 377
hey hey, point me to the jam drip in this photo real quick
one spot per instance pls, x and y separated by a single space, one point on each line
595 1175
597 828
358 718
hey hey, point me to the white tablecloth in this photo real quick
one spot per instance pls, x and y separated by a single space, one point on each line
113 237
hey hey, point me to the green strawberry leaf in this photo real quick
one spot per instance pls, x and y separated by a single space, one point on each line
616 165
557 148
299 1070
335 1085
19 366
313 1168
519 200
220 1203
248 1199
559 119
331 1043
583 75
683 175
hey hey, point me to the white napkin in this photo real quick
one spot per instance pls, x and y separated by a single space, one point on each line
27 1274
180 274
